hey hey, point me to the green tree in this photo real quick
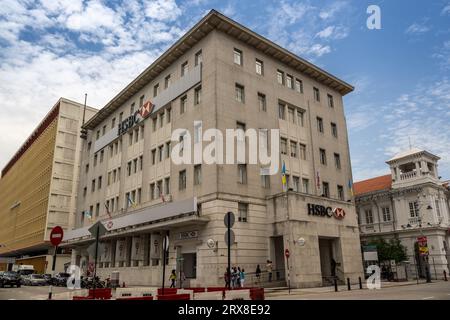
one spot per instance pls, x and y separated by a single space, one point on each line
392 250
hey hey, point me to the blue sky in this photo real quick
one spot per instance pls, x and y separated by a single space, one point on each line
53 48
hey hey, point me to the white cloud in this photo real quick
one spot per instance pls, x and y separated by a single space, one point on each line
328 13
446 9
163 10
417 28
333 32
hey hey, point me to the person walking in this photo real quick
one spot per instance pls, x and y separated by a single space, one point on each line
258 273
269 269
238 280
226 277
242 277
233 277
173 279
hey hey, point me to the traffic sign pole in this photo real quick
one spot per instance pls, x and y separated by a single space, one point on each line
287 254
56 237
229 250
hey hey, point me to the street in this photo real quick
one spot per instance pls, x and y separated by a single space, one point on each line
29 293
426 291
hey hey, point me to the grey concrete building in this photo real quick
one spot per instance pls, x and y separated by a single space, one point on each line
410 203
227 77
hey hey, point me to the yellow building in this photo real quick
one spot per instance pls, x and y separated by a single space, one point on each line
38 186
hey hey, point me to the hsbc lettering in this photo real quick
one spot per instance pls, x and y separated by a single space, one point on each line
128 123
319 210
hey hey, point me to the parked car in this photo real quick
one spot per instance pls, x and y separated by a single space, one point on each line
35 280
60 279
10 278
48 278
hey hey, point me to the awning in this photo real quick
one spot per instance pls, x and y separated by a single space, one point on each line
150 215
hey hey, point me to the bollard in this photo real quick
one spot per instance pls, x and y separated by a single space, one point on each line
335 285
348 284
445 275
360 282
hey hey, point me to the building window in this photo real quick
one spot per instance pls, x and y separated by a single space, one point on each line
161 119
183 104
289 81
141 100
265 181
330 101
414 209
296 183
326 189
300 117
113 123
238 57
160 153
281 114
259 67
95 160
299 85
135 165
337 160
283 146
239 93
302 151
262 102
340 192
87 168
184 68
139 196
316 94
438 209
386 214
197 174
198 95
323 157
98 135
167 150
152 191
99 182
320 124
155 90
242 173
104 130
243 212
159 188
198 132
182 180
129 168
334 130
102 153
97 209
167 186
84 191
153 156
369 216
169 115
132 109
130 140
93 185
120 117
198 58
291 115
280 77
136 135
167 82
293 149
155 123
305 185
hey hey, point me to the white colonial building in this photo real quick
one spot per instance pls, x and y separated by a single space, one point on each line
410 202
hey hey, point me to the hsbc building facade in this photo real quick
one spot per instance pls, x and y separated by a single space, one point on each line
130 183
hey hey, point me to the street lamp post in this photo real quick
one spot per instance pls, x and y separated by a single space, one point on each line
424 258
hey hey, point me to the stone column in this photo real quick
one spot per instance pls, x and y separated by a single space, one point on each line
417 168
394 173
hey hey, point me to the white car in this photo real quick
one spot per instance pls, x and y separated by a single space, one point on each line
34 280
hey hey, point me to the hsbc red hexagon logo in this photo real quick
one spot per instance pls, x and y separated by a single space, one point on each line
339 213
146 109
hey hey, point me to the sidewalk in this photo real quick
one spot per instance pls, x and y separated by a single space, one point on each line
273 292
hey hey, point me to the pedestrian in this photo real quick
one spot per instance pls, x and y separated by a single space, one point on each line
233 277
269 269
258 273
238 277
242 277
226 277
333 267
173 279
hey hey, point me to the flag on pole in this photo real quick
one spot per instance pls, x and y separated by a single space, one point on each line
283 176
131 202
88 214
107 210
350 187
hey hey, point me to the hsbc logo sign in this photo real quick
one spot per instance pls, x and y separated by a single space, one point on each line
143 112
322 211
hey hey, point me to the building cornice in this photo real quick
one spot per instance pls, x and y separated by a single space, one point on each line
217 21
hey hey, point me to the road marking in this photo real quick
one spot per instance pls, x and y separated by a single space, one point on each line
427 298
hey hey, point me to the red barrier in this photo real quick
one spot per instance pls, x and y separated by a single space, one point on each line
101 293
167 291
212 289
186 296
196 290
136 298
257 293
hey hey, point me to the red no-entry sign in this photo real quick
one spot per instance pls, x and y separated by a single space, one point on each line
287 253
56 235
